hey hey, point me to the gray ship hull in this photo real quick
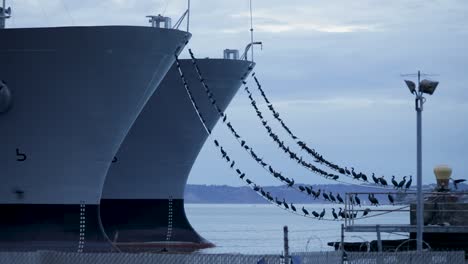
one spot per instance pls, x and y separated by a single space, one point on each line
143 195
75 93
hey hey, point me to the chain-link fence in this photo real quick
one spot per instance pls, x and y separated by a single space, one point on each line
51 257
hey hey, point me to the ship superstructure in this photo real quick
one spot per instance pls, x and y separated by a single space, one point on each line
143 197
68 96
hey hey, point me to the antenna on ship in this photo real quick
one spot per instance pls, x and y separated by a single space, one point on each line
251 30
5 13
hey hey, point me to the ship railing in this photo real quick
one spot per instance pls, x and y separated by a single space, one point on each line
184 15
248 47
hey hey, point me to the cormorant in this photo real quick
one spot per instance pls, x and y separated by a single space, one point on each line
322 214
364 177
242 143
456 182
268 196
408 184
291 183
332 198
309 190
277 201
402 183
256 188
347 171
301 188
325 196
373 200
383 181
242 176
238 171
390 199
248 181
315 214
338 197
355 175
293 207
305 211
394 182
375 179
334 214
358 201
336 177
216 143
285 204
366 212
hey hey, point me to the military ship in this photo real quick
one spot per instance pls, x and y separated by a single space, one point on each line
68 96
143 197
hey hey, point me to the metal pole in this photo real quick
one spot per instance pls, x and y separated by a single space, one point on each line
420 204
188 15
286 245
251 31
379 238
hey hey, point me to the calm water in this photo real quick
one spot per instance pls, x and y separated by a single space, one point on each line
258 228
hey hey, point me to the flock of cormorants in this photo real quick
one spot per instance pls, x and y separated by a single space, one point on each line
308 190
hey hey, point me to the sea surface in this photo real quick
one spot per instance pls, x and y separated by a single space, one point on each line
258 228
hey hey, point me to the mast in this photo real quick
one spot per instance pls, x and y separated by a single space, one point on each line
5 13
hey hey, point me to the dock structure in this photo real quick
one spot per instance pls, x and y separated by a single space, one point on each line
445 222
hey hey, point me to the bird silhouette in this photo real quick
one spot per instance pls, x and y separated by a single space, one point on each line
373 200
322 214
301 188
268 196
293 207
364 177
263 192
394 182
278 202
242 176
325 196
402 183
338 197
285 204
355 175
256 188
309 190
248 181
305 211
375 179
238 171
366 212
332 198
391 199
456 182
347 171
358 201
315 214
334 214
408 184
383 181
216 143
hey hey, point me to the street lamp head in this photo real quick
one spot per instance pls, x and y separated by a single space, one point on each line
427 86
411 86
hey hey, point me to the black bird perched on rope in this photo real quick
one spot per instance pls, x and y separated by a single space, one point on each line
315 214
293 207
216 143
347 171
456 182
242 176
373 200
402 183
364 177
334 214
358 201
332 198
308 190
256 188
301 188
325 196
391 199
355 175
383 181
305 211
263 192
277 201
375 179
394 182
248 181
408 184
268 196
317 194
366 212
335 177
322 214
238 171
291 183
285 204
338 197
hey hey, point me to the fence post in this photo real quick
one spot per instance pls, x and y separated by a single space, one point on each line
286 245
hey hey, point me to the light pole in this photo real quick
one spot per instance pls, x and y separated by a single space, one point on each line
428 87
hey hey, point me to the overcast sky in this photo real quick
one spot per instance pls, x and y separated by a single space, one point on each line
332 68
